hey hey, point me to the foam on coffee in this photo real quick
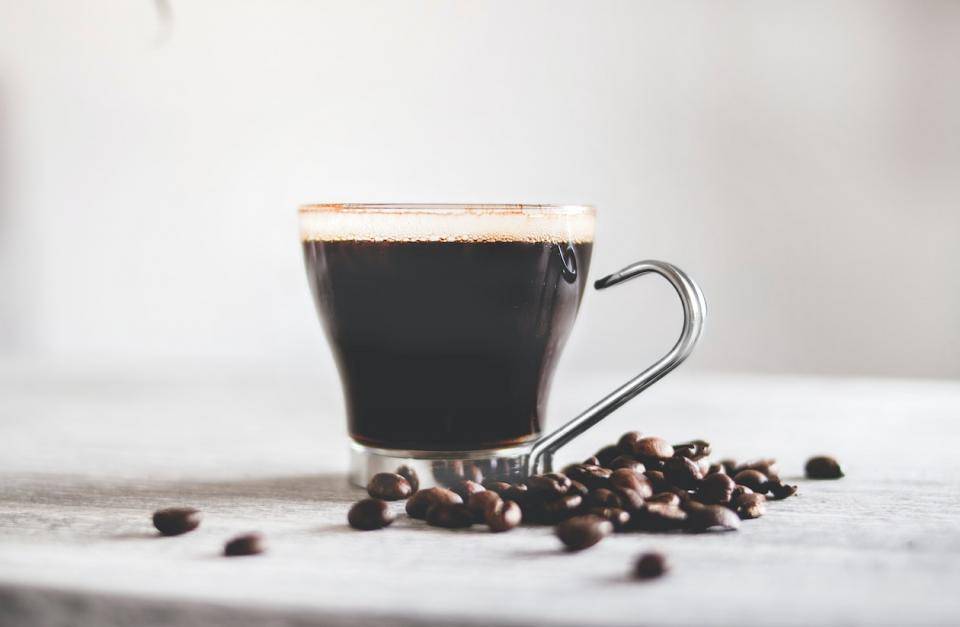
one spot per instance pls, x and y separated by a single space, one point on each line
439 223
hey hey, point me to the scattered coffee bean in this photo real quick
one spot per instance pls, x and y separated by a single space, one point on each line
581 532
607 454
712 518
682 472
779 490
626 479
411 476
753 479
557 509
173 521
695 449
650 566
500 487
603 497
419 503
551 484
480 502
246 544
389 486
449 515
738 491
370 514
628 462
628 441
823 467
716 489
750 506
667 498
658 517
767 466
620 518
503 516
591 476
465 488
652 448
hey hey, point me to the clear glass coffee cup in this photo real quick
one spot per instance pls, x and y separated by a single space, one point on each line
447 322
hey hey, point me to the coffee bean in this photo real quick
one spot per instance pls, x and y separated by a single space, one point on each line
779 490
630 500
503 516
173 521
739 491
389 486
658 517
603 497
552 484
716 489
682 472
650 566
620 518
500 487
246 544
750 506
581 532
578 488
408 473
449 515
753 479
561 508
591 476
766 466
695 449
625 478
419 503
651 448
823 467
480 502
657 480
667 498
628 441
607 454
370 514
465 488
625 461
712 518
519 493
591 461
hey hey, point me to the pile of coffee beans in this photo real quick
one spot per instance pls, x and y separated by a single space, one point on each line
640 484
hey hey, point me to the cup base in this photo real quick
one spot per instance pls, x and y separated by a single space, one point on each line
438 468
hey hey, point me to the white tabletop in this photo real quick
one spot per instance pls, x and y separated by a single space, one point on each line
87 454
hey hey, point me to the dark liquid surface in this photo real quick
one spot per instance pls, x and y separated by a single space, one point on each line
446 345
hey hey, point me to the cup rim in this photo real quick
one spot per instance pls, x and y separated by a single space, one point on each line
478 208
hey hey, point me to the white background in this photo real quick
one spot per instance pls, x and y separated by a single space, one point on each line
800 159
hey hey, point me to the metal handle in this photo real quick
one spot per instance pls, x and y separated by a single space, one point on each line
540 458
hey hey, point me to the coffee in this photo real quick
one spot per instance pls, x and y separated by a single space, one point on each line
446 326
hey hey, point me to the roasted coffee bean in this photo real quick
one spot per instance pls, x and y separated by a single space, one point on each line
628 462
518 493
411 476
551 484
682 472
750 506
650 566
370 514
738 491
779 490
246 544
630 500
716 469
591 476
603 497
581 532
694 449
503 516
657 480
607 454
465 488
419 503
651 448
449 515
716 489
628 441
823 467
480 502
500 487
729 466
620 518
658 517
591 461
712 518
654 464
626 479
173 521
552 510
578 488
667 498
753 479
389 486
767 466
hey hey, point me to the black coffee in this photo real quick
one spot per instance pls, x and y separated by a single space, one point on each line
446 345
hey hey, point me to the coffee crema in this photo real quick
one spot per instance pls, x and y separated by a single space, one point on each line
446 323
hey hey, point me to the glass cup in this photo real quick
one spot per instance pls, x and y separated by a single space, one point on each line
447 322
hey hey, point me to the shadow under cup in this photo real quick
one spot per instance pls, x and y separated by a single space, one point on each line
446 321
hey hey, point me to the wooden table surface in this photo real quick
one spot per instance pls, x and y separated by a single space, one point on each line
87 454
